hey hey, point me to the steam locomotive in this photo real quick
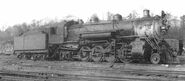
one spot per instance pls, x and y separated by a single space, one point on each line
110 41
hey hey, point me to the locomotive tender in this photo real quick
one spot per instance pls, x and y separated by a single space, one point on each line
115 40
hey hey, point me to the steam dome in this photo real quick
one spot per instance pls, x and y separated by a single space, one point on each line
118 17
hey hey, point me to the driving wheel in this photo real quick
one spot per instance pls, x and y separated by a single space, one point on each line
84 53
97 53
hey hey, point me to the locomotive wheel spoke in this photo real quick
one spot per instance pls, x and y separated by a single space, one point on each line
84 53
97 53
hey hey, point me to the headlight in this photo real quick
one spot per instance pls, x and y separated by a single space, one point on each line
163 28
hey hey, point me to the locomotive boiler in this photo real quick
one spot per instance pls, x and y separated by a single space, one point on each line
110 41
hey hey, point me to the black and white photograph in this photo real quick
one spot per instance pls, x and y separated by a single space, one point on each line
92 40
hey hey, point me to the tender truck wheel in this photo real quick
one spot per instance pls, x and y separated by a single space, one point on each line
20 56
155 58
33 57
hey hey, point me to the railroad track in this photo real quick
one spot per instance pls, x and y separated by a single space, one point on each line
134 75
61 77
132 72
128 74
155 73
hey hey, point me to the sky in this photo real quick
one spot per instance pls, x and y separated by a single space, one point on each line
19 11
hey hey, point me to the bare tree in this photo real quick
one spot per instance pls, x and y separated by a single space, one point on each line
94 18
133 15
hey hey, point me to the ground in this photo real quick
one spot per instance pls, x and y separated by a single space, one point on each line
13 69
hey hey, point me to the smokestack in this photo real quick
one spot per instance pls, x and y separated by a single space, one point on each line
146 13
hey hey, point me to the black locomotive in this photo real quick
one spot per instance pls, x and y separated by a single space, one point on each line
114 40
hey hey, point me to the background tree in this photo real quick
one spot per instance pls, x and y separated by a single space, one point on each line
175 26
133 15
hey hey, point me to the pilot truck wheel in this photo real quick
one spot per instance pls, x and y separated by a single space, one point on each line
155 58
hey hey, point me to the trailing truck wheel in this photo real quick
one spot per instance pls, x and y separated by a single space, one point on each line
155 58
84 53
97 53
